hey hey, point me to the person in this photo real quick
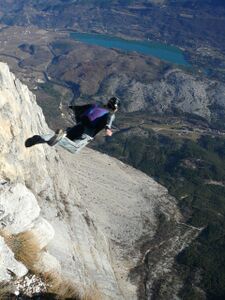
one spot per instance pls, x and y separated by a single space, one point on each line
90 120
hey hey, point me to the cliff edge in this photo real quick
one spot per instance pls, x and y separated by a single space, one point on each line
94 220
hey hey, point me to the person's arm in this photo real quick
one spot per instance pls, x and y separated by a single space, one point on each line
108 127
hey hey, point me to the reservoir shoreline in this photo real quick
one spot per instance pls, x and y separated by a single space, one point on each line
161 51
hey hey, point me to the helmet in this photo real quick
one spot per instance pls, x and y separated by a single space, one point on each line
113 103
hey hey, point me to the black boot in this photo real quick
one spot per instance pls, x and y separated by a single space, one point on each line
34 140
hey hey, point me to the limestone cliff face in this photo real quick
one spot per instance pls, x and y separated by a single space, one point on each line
34 181
94 217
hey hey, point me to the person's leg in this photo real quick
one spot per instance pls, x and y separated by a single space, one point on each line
59 134
51 141
72 133
75 132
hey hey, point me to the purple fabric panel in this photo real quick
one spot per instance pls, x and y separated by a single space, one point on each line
95 112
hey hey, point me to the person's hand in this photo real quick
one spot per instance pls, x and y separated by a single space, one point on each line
108 132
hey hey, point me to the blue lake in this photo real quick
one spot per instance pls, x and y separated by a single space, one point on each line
162 51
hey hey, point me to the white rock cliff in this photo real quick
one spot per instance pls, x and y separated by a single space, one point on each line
89 212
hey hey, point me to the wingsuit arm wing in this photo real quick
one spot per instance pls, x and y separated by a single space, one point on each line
78 110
